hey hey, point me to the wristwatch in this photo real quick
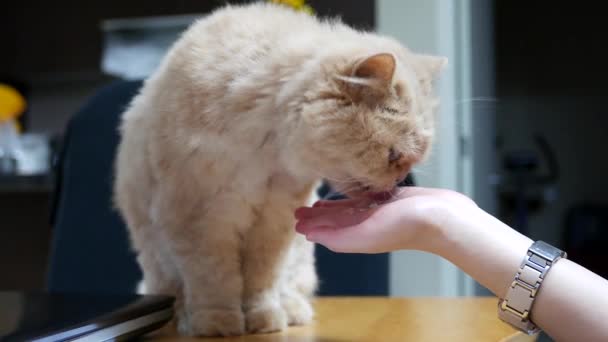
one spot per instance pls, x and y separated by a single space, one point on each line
515 308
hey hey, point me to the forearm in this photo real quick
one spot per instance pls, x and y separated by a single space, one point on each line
483 247
572 303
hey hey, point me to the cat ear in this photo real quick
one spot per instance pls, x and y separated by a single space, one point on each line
379 68
434 64
371 77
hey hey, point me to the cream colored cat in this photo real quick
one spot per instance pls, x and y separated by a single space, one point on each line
249 110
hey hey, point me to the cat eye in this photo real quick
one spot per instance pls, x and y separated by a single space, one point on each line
389 110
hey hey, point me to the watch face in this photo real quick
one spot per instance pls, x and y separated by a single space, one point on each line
546 250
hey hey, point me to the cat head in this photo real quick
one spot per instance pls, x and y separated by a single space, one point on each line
369 121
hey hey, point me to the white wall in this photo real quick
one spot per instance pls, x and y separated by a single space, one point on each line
430 26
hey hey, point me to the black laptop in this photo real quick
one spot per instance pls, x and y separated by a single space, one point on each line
80 317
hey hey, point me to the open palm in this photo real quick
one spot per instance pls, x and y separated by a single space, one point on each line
368 225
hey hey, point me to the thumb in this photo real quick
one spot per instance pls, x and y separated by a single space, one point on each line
351 239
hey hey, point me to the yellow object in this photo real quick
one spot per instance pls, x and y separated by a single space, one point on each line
12 103
298 5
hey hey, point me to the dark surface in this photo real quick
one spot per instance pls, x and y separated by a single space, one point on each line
586 236
26 316
357 13
24 238
550 48
91 251
69 37
27 184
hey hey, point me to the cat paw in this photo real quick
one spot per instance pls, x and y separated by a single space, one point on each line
212 323
167 330
298 309
265 319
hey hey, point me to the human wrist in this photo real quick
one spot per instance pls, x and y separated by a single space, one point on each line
435 222
479 244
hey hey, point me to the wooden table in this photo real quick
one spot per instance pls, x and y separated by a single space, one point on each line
392 319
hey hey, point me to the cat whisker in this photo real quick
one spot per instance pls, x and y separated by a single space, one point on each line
348 189
482 99
419 171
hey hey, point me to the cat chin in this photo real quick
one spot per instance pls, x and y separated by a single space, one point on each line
377 197
381 196
355 194
350 190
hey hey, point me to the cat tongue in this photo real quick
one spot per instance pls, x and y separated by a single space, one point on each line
380 196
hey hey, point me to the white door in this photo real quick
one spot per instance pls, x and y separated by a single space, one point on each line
461 159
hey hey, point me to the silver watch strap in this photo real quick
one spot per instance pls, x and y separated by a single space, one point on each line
516 307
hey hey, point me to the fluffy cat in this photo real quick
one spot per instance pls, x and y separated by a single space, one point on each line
250 109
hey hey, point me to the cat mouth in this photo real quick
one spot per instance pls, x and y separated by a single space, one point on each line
359 190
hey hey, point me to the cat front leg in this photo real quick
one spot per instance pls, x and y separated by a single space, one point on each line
206 253
160 277
264 256
299 282
302 273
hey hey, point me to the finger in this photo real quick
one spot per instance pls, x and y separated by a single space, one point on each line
351 239
344 217
409 191
303 213
333 239
398 193
373 234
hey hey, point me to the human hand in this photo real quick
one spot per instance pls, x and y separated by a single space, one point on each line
411 219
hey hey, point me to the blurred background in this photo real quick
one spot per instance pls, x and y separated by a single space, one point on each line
522 128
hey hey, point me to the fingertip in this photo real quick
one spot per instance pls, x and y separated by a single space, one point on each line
298 227
324 203
299 212
303 228
312 237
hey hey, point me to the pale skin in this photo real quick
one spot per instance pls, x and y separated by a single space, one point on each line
572 304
